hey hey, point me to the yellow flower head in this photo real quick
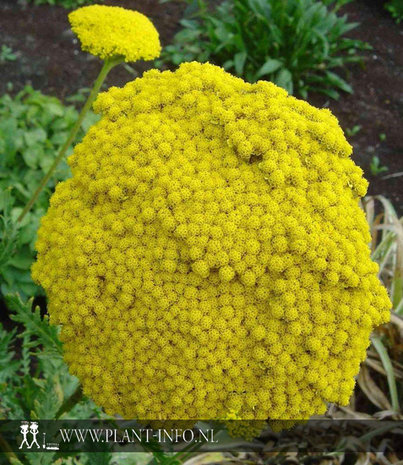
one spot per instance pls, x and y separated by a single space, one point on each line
110 31
209 254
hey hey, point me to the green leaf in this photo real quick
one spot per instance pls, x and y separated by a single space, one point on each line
103 458
269 67
54 108
187 35
32 155
8 132
60 136
303 92
239 62
190 24
42 458
21 261
228 64
178 58
387 365
34 136
337 81
284 80
9 366
46 161
36 326
330 93
50 398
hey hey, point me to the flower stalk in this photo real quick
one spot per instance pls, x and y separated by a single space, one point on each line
107 66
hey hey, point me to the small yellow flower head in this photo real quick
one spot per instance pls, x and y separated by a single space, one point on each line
209 254
110 31
245 429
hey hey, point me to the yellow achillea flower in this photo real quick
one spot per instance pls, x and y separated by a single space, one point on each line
209 254
110 31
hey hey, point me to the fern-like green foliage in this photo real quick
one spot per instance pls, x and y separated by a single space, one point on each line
36 329
33 126
36 383
9 366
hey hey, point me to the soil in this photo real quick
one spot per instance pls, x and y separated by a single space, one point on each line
377 102
49 58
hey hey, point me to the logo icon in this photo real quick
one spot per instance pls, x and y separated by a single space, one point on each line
29 428
29 431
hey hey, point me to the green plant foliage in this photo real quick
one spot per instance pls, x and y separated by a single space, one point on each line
7 54
353 131
376 167
37 383
32 128
69 4
297 44
395 8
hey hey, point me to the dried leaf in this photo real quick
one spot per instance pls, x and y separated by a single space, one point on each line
371 390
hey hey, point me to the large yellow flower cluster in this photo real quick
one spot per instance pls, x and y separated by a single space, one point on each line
209 254
110 31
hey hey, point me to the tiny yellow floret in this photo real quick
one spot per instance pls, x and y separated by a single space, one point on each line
112 31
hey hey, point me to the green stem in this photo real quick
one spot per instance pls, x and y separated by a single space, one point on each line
4 446
69 403
107 66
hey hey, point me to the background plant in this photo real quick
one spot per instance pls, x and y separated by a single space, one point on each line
37 383
7 54
33 126
376 167
395 8
298 44
381 376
